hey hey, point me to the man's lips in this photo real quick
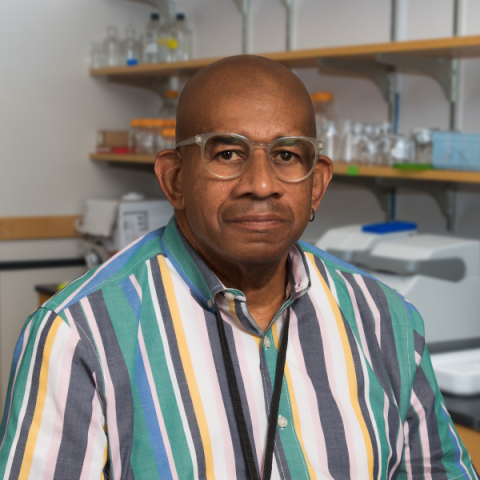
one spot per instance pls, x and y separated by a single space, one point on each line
258 221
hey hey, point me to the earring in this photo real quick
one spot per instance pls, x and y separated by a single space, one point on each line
312 215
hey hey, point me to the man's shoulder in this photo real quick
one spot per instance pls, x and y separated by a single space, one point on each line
331 261
339 272
115 270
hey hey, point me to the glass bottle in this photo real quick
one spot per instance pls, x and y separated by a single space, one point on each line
148 136
326 122
150 39
168 135
111 47
347 143
135 136
169 107
97 55
183 36
131 47
158 125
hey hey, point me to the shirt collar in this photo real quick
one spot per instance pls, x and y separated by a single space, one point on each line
204 283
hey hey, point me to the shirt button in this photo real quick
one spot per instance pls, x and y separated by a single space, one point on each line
229 296
210 304
282 421
266 342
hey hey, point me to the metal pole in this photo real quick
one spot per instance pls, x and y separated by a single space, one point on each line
454 121
289 4
393 22
244 7
392 101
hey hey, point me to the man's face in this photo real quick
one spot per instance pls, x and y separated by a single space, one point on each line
255 218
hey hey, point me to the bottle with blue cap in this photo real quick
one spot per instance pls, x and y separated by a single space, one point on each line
131 47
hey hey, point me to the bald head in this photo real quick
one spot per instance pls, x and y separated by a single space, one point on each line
240 79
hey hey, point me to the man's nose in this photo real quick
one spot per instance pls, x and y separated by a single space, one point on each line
260 179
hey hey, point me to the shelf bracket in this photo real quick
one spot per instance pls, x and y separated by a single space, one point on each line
382 75
289 6
444 193
383 193
244 7
443 70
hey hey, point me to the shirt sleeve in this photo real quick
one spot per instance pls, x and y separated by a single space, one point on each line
53 424
432 447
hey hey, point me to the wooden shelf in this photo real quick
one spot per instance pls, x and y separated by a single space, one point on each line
121 158
34 228
338 169
450 47
433 175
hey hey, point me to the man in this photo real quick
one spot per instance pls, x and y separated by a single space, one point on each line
219 347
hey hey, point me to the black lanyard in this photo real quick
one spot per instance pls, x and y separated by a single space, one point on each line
237 403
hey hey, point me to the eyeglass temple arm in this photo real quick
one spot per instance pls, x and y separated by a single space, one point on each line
189 141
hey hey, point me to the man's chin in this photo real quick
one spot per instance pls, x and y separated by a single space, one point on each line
260 251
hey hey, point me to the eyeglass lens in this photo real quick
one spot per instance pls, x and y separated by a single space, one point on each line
227 156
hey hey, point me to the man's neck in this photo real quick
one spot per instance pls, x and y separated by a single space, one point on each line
264 284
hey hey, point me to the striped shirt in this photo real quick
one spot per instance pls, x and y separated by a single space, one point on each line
121 376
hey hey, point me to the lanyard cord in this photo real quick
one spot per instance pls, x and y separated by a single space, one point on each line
237 403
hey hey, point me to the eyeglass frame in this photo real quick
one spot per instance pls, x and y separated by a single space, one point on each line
202 138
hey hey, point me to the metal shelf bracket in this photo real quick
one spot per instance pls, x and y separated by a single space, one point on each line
443 70
383 193
444 193
244 7
382 75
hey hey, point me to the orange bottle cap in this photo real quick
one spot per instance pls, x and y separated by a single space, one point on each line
322 97
171 93
168 132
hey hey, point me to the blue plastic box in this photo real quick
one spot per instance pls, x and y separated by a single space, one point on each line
456 151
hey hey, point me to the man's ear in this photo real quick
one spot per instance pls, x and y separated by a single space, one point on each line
321 178
168 173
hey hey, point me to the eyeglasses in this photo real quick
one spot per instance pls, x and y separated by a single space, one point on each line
228 155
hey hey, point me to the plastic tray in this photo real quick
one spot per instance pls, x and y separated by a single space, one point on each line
458 372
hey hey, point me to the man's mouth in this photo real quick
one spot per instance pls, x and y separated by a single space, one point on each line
258 221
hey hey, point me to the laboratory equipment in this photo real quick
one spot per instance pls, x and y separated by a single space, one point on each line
439 275
111 47
326 123
131 47
456 151
183 36
169 107
458 372
97 55
108 226
423 138
151 48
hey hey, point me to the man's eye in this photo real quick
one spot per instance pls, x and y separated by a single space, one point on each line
286 156
229 155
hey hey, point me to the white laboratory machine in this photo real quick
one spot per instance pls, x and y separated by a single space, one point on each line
108 226
440 275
